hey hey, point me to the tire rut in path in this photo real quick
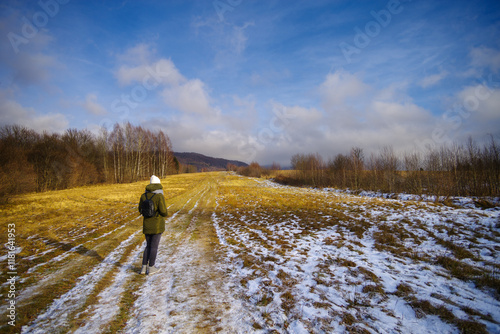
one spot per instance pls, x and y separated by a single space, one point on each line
55 317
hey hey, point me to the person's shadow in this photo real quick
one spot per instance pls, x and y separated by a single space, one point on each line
81 249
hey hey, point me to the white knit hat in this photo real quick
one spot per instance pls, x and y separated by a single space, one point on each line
154 179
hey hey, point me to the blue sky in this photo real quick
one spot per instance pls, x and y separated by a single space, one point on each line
257 80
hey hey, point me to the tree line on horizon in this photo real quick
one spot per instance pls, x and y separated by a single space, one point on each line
469 169
48 161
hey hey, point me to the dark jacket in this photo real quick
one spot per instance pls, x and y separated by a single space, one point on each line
156 224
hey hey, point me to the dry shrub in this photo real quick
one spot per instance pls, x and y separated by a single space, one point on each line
348 319
424 307
372 289
369 274
459 251
385 239
346 263
403 290
287 301
253 170
458 269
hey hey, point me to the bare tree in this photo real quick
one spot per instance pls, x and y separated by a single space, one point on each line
413 168
357 163
338 168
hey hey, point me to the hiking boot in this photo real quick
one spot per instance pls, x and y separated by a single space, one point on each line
153 270
143 270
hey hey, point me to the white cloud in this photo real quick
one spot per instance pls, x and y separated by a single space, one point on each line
140 54
394 113
298 123
355 114
479 110
190 97
399 124
243 113
344 97
480 100
432 80
188 134
151 75
339 87
486 57
92 106
396 91
350 113
14 113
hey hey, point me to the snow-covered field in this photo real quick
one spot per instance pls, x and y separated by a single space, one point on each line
313 261
246 255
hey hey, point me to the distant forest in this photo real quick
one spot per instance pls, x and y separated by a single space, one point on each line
470 169
31 161
38 162
194 162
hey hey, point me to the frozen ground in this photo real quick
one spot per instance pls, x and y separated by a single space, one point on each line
248 256
350 263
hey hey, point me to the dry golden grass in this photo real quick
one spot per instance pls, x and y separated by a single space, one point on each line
251 213
58 219
72 223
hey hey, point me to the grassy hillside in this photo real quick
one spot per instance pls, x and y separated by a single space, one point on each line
205 163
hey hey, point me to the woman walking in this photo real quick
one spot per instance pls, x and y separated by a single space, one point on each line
153 224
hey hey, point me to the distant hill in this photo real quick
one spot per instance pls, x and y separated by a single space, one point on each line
203 162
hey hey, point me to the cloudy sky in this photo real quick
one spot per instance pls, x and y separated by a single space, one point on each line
256 80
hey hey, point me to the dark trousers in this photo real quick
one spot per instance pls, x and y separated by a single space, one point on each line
152 242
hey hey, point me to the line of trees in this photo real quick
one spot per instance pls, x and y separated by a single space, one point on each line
136 153
38 162
252 170
458 170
